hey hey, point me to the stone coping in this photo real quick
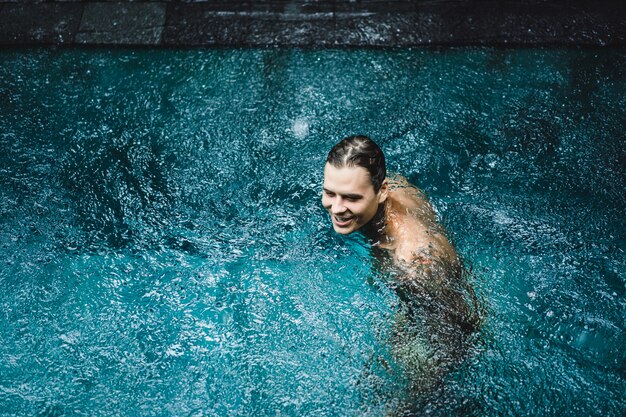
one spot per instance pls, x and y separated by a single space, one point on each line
314 23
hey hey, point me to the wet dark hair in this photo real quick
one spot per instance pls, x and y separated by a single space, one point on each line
360 151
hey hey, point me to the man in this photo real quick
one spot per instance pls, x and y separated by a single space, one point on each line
390 211
436 317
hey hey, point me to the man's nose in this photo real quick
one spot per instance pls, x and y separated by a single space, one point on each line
337 206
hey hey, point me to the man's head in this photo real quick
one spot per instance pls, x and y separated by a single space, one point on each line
354 183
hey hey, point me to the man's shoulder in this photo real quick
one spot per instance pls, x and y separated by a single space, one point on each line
419 242
414 248
411 200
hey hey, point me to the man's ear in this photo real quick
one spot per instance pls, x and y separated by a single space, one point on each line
383 192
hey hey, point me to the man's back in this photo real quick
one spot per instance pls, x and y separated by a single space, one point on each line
412 232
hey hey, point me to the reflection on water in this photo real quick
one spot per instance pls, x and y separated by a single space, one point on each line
164 249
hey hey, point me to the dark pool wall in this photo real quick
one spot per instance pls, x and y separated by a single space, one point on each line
315 23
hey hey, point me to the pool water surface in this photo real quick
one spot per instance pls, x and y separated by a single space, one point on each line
164 250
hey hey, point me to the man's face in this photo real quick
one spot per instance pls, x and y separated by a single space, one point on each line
350 198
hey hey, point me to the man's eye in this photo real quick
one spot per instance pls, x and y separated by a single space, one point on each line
328 193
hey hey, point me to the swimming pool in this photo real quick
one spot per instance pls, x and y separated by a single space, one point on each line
165 252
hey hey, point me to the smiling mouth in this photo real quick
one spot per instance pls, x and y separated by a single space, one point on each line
343 221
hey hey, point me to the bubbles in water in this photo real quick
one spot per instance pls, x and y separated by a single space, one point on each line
300 128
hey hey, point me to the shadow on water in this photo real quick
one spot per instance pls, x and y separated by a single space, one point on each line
118 185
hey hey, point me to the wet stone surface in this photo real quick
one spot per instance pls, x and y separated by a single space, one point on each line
125 23
48 23
314 23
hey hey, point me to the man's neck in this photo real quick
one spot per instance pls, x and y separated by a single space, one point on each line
375 228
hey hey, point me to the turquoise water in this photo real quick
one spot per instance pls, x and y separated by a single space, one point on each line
164 250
